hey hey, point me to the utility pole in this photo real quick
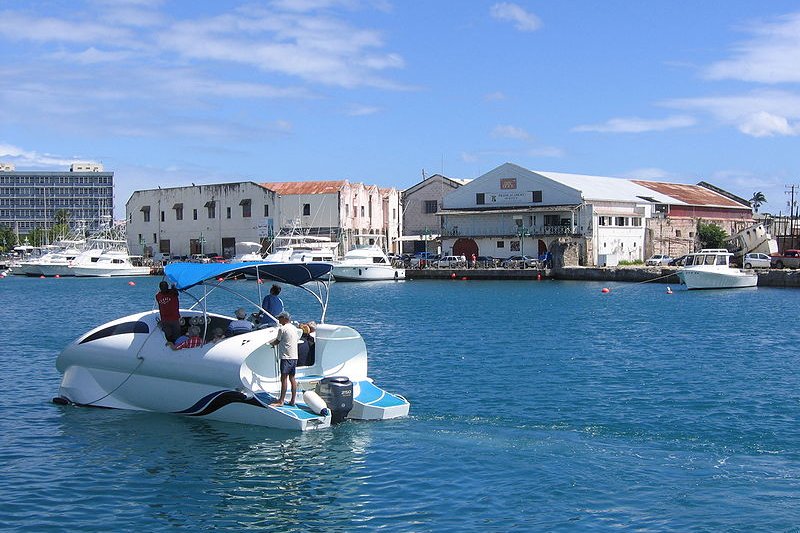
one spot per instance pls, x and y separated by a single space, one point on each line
792 216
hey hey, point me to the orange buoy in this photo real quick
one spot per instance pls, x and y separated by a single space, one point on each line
464 278
605 290
669 291
58 275
260 280
41 277
219 279
452 275
539 276
131 283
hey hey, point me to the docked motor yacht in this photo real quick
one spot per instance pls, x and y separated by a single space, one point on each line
246 252
366 263
710 269
109 263
125 363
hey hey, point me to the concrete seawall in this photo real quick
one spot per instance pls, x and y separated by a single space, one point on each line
666 275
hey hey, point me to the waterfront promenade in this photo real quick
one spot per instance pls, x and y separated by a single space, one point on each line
666 275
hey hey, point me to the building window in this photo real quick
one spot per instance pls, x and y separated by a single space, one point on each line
162 216
178 211
515 246
501 244
553 220
146 213
430 206
362 211
306 210
347 210
246 211
636 221
212 209
266 210
677 233
194 214
537 197
480 198
227 212
155 238
621 221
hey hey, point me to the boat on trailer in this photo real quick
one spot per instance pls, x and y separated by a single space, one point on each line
125 363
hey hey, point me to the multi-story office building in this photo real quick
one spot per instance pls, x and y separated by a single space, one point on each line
30 200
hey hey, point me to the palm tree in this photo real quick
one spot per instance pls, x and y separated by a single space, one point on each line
758 199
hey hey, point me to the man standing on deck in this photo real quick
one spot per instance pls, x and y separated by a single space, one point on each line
167 299
287 349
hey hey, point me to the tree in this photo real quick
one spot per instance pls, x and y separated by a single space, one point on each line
7 239
758 199
711 235
60 228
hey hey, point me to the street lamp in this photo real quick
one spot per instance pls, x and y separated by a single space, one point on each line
142 243
202 241
522 232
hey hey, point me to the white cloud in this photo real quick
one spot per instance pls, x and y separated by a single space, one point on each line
495 96
468 157
510 132
638 125
523 20
31 158
650 174
759 113
771 56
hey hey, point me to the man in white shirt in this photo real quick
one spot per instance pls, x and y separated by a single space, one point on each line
286 341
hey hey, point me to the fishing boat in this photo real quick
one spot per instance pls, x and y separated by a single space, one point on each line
710 269
109 263
366 263
126 364
246 252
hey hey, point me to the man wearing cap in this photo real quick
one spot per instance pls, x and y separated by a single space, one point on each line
286 341
240 325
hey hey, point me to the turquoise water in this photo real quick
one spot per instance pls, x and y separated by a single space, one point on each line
535 406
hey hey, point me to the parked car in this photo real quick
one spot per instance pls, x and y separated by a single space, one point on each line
451 261
199 258
486 261
520 261
789 259
422 259
756 260
658 259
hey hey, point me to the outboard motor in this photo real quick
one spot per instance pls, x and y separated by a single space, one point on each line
337 391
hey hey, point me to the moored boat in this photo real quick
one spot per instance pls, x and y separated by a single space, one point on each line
125 363
710 269
366 263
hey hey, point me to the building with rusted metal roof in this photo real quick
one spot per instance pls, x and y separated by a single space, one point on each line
211 219
580 219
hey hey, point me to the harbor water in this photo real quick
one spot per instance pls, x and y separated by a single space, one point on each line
535 406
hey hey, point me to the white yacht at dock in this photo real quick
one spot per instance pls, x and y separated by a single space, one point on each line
366 263
710 269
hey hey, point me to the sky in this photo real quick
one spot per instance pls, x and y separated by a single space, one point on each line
169 93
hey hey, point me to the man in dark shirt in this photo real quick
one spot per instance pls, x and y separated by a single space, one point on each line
168 306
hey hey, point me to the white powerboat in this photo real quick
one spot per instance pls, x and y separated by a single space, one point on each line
247 252
125 363
109 263
367 263
710 269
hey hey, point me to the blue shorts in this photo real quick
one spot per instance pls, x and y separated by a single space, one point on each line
288 366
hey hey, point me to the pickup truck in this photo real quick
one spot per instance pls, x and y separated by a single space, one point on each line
789 259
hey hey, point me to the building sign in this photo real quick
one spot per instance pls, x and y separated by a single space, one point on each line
507 198
265 228
508 183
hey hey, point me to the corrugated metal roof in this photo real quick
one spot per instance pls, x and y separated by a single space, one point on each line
605 188
305 187
691 194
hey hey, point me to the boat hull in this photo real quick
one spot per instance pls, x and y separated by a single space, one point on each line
88 271
695 279
367 273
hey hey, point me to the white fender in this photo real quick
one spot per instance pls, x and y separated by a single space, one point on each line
315 402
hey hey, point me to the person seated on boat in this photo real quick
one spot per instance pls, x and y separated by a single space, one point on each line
192 339
273 305
240 325
305 347
219 335
168 308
